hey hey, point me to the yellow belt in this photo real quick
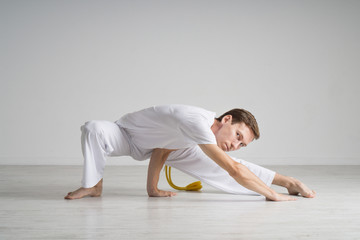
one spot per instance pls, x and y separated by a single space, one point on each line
195 186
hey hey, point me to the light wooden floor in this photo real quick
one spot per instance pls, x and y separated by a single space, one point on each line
32 207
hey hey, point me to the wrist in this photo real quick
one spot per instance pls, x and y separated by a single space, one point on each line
152 190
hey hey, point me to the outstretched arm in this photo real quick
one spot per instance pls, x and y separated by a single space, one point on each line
157 161
241 173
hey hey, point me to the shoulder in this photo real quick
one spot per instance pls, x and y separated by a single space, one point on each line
193 119
189 113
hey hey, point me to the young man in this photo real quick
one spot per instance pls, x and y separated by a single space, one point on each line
189 138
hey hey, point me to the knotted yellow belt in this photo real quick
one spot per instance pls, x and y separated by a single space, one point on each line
195 186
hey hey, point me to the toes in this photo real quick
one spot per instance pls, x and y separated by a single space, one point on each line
310 195
313 193
67 196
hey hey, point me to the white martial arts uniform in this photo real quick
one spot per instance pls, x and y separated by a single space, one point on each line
168 126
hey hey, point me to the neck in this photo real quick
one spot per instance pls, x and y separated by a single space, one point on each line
216 126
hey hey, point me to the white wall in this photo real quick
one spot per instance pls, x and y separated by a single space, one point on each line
293 64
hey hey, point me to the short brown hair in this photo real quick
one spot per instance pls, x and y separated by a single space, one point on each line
242 115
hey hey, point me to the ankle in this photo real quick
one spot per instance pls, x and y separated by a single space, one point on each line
99 184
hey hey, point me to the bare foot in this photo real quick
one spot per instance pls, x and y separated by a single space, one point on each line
84 192
281 197
296 187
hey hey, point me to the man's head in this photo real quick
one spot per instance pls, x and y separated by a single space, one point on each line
235 129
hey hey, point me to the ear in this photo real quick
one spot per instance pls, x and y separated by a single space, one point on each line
226 119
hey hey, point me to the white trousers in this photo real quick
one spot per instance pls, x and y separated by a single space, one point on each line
101 139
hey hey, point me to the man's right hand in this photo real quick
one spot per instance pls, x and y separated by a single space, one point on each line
160 193
157 160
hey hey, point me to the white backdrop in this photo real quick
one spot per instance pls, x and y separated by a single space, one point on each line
293 64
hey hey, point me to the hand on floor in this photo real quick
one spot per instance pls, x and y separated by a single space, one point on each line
161 193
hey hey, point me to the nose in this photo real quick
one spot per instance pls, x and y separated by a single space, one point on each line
236 146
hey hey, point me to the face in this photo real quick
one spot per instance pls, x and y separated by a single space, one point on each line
233 137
